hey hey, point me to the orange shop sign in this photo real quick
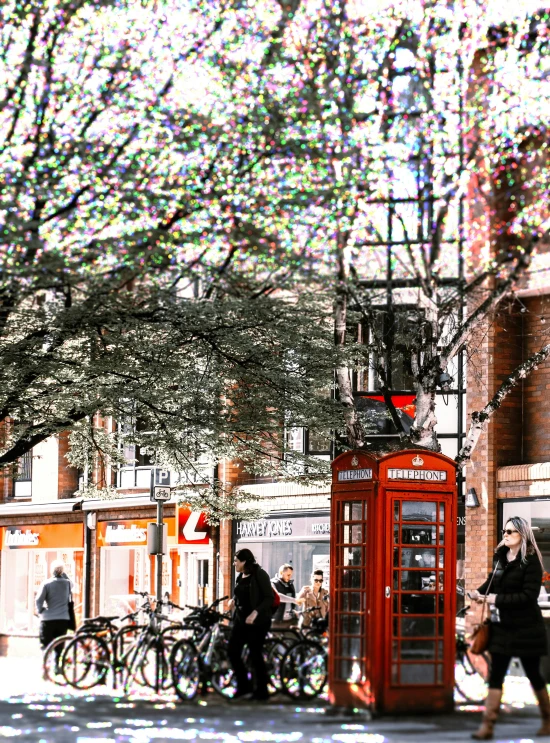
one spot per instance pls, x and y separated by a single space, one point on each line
129 533
192 527
43 536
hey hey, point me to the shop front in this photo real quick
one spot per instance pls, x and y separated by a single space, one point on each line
536 511
27 552
195 558
125 565
301 539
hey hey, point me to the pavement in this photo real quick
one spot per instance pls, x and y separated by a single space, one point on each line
33 710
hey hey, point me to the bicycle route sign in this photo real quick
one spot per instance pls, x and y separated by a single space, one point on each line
161 493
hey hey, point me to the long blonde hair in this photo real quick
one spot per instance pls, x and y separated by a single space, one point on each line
528 541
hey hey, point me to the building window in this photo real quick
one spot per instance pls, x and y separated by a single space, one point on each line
22 484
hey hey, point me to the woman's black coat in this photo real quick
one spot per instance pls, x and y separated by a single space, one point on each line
261 595
521 630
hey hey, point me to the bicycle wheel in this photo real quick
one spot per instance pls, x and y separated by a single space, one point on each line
304 670
471 673
124 639
185 669
274 652
155 664
86 661
52 660
222 677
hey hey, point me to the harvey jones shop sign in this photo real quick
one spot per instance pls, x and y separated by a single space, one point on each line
300 527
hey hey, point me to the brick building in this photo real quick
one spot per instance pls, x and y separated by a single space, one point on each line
510 468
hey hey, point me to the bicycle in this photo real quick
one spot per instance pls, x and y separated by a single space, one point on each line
471 671
303 668
201 661
97 648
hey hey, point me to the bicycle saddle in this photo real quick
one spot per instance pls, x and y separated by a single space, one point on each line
99 620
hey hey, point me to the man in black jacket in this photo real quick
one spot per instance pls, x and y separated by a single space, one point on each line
284 585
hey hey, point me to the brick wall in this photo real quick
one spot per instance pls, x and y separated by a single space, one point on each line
536 388
67 476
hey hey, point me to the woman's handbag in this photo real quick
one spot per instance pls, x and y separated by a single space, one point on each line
479 639
72 616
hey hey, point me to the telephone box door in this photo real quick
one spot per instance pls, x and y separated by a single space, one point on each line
419 596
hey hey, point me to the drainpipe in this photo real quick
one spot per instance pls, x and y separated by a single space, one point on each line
90 521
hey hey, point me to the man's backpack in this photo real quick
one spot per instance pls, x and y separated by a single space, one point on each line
276 601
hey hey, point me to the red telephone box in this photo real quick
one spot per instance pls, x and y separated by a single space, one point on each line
402 657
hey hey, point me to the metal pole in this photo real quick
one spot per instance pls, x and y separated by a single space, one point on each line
160 536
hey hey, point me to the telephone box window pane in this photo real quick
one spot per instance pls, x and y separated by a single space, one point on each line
418 558
395 650
442 512
351 624
353 556
417 603
417 580
418 511
418 534
441 602
350 646
439 674
396 580
395 557
357 534
440 649
352 578
345 668
418 673
419 650
441 626
417 627
396 511
396 533
352 601
441 558
441 535
394 672
441 581
353 511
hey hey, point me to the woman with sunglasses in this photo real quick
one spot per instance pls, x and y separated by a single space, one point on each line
313 597
517 627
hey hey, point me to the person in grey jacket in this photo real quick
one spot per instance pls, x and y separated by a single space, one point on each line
52 604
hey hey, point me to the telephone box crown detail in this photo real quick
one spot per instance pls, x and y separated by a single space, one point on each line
354 461
418 461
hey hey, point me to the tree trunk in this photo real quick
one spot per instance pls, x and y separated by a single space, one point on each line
354 428
423 431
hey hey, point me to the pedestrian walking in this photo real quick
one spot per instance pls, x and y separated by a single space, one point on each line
52 605
253 602
517 628
314 596
284 615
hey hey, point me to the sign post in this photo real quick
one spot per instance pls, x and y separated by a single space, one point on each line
160 493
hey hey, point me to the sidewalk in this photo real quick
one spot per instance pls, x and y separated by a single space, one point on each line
35 711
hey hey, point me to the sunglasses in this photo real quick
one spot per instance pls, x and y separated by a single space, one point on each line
317 580
510 531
